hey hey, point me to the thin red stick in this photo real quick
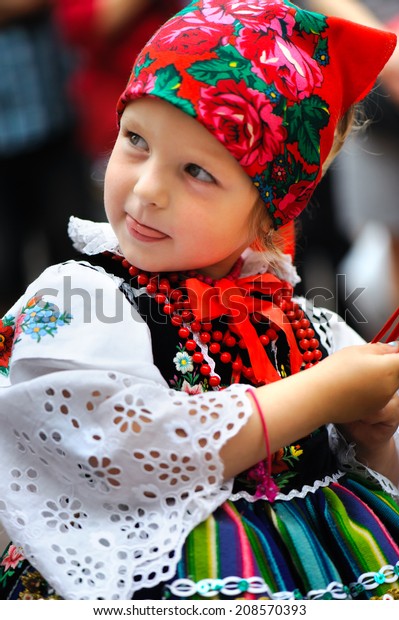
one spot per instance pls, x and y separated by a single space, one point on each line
385 329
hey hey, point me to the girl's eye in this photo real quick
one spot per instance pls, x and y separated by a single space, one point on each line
199 173
138 141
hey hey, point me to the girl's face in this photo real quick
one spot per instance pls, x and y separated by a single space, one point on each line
175 197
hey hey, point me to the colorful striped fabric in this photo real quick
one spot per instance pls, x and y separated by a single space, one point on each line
338 542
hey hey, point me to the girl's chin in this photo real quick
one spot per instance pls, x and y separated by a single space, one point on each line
148 265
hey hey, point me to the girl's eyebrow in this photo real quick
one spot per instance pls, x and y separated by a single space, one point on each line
129 119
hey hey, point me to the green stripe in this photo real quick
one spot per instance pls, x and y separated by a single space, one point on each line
198 562
357 543
267 564
262 560
308 556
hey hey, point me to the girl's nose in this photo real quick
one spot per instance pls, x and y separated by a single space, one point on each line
152 184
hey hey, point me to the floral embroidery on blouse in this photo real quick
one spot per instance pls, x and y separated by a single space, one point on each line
36 588
183 362
13 557
21 580
40 318
283 463
190 380
284 470
6 340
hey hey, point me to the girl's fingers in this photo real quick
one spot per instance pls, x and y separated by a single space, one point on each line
388 347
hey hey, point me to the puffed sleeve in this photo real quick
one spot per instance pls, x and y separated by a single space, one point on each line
104 470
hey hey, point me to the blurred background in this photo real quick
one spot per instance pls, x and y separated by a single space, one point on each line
63 65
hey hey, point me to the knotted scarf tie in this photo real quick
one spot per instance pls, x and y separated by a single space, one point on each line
239 300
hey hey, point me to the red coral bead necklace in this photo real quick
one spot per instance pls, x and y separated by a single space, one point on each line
199 336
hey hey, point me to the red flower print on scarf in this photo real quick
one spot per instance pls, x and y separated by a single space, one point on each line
244 118
144 84
281 63
272 18
190 31
294 200
218 14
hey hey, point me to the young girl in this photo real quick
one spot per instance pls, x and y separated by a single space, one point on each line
149 446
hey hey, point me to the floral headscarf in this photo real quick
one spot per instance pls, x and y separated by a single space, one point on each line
269 80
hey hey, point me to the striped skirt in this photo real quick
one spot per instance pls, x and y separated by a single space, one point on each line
338 542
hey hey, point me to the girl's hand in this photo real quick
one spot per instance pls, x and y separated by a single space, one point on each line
371 435
359 382
374 440
353 385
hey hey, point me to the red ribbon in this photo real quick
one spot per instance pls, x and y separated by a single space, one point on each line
234 298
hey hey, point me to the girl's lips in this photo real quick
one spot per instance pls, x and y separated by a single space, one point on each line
142 232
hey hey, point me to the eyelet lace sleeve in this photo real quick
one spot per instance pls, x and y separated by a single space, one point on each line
103 469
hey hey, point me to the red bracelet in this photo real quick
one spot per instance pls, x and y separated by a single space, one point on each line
266 487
